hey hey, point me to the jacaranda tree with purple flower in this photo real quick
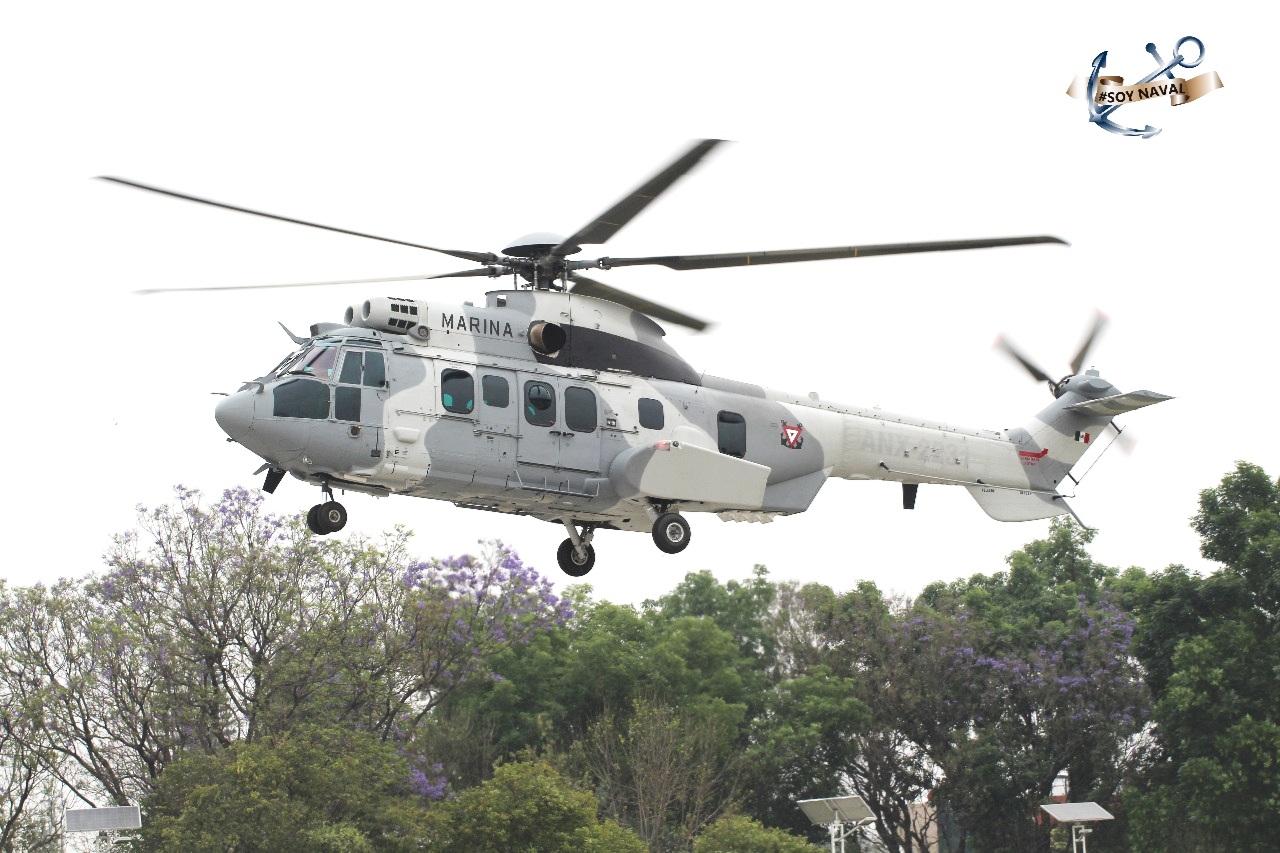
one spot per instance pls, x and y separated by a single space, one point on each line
220 624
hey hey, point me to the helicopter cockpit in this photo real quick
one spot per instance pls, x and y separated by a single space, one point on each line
300 385
318 360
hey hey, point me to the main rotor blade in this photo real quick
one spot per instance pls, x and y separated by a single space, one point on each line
491 272
1027 363
584 286
1099 323
790 256
611 221
149 291
478 257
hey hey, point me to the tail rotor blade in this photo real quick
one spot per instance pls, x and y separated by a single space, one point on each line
1027 364
1099 323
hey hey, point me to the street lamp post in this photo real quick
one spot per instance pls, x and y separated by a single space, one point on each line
835 813
1078 816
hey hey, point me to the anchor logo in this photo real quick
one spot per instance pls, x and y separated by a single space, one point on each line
1105 95
792 436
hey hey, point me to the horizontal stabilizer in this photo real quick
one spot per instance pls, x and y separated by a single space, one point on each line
1017 504
1109 407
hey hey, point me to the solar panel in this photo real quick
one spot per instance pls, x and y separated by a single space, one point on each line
826 810
1077 812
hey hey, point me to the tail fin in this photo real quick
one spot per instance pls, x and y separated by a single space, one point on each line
1072 423
1053 442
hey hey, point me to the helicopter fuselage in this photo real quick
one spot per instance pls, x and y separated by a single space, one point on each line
575 410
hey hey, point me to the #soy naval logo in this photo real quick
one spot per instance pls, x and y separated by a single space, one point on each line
1107 94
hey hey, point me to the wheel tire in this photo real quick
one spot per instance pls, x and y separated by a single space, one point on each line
567 557
671 533
313 521
332 516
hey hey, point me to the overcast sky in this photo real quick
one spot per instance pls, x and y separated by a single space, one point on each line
468 126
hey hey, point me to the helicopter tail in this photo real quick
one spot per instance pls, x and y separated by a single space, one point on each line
1053 442
1072 424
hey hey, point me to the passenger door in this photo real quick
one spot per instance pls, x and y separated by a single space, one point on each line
496 422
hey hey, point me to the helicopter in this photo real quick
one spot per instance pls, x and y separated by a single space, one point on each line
559 398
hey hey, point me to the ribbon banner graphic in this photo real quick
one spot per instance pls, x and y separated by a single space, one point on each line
1106 94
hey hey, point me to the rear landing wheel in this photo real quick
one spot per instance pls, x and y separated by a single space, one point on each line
570 563
671 533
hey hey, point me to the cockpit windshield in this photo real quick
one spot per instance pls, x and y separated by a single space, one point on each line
318 361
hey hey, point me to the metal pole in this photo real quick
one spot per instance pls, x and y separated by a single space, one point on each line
1078 836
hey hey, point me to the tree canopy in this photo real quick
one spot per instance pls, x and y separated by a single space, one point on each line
256 687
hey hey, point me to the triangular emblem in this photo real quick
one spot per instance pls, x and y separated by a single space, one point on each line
792 436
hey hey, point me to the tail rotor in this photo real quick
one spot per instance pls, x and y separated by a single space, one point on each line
1100 322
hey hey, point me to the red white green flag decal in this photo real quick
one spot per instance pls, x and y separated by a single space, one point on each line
1082 437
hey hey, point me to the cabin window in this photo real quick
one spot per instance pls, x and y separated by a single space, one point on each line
733 434
539 404
580 409
495 391
301 398
651 416
457 391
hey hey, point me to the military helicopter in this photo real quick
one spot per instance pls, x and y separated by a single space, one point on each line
560 399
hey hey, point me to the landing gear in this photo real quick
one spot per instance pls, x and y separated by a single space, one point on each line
328 517
575 554
570 563
671 533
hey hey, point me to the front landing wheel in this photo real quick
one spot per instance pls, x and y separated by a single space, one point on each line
570 563
671 533
325 518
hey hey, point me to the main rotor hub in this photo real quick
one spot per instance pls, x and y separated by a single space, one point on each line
536 245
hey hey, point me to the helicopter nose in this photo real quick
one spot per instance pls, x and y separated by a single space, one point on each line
235 414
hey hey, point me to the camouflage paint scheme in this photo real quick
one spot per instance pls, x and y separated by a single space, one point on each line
402 438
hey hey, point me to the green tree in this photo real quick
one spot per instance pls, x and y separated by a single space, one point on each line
221 625
740 834
982 691
1212 648
322 789
527 807
662 770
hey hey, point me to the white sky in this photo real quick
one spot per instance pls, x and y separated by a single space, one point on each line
465 127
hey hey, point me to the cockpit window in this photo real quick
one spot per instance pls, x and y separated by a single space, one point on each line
375 370
301 398
373 375
317 361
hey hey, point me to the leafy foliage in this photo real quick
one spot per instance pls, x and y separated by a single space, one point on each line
1211 647
741 834
259 688
332 790
527 807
